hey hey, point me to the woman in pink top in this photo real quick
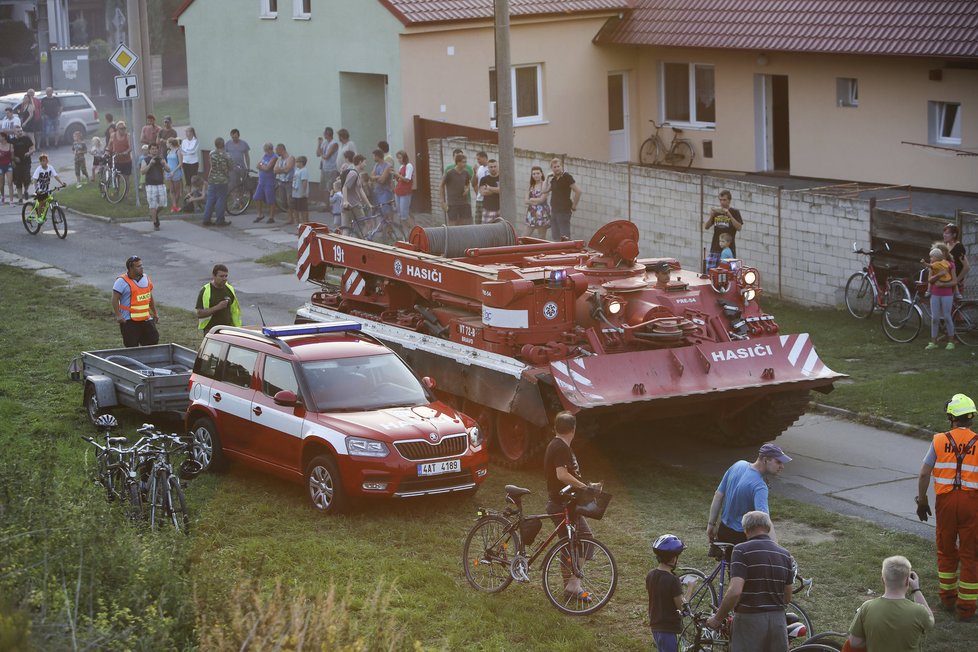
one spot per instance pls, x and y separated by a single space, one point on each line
941 298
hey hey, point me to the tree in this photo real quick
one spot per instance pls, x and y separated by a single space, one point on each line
16 41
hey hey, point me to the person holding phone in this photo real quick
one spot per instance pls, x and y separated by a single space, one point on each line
154 169
217 303
891 622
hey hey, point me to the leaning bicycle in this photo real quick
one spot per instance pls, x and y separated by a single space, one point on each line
36 212
162 490
378 226
242 193
654 151
902 320
499 549
115 470
112 184
864 291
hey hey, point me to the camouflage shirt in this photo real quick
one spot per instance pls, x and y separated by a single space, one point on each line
221 165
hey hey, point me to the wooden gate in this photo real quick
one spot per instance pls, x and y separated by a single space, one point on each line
425 129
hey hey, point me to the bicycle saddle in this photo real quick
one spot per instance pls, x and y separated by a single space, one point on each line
513 490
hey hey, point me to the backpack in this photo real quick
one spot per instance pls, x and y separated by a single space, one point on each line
343 175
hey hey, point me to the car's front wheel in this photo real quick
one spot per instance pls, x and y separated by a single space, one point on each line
325 486
207 445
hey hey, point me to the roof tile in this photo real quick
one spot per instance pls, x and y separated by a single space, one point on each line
892 27
421 12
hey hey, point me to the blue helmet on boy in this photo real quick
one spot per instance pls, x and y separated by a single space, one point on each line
668 544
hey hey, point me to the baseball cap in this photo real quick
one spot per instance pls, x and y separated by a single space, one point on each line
773 451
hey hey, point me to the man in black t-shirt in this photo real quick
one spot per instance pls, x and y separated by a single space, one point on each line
561 469
722 220
217 303
23 148
489 189
51 110
561 185
153 168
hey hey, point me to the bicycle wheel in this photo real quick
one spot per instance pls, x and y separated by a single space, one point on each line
488 551
816 647
117 188
282 196
650 152
176 504
101 476
896 290
966 323
828 641
132 500
593 563
860 295
59 222
798 623
902 321
701 596
29 216
239 199
682 155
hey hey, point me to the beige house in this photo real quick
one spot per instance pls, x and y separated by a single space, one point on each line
881 92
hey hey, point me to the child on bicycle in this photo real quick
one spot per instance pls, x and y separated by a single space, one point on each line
42 176
665 593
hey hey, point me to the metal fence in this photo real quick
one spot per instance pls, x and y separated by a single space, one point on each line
17 82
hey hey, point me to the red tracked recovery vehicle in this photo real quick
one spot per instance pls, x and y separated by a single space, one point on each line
517 329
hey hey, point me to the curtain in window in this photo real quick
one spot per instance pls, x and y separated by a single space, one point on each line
705 95
527 102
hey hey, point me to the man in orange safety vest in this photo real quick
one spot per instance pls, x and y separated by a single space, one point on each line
133 305
953 461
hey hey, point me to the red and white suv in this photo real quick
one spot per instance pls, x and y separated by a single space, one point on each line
330 406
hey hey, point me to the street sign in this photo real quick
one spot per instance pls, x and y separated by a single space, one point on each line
123 59
125 87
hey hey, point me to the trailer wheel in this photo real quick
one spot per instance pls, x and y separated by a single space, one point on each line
518 442
762 421
92 407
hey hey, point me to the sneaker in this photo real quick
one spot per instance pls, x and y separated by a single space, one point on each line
223 223
949 347
78 185
930 345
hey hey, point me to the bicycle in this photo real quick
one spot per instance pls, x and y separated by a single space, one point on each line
902 320
679 153
161 488
240 196
385 230
115 471
495 553
703 637
35 213
863 291
112 184
702 596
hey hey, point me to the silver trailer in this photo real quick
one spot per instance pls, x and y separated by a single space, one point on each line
150 379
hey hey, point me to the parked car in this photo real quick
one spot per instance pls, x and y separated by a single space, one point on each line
78 113
330 406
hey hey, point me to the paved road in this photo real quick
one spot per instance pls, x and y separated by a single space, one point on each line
846 467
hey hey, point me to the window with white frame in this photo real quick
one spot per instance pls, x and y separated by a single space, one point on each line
847 92
268 9
944 123
688 93
301 9
527 81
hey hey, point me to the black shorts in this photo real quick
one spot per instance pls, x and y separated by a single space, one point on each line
125 169
300 204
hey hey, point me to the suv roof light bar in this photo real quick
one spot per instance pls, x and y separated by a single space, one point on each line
311 329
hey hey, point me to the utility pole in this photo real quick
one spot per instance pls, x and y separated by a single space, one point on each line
504 116
43 44
135 19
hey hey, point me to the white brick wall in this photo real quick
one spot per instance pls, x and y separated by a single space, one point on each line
800 242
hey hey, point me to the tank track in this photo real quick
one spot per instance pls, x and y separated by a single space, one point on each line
763 422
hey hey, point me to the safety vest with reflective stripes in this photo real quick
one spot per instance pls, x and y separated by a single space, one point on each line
947 446
139 298
205 301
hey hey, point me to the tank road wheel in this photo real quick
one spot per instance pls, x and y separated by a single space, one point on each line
762 421
518 442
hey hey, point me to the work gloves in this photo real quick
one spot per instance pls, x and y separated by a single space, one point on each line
923 508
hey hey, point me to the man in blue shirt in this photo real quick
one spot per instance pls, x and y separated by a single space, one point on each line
743 489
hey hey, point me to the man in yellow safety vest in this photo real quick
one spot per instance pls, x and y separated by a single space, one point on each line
217 304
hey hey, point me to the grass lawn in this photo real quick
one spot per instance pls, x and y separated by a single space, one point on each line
259 561
897 381
87 199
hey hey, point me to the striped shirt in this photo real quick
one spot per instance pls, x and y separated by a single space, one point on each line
766 569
